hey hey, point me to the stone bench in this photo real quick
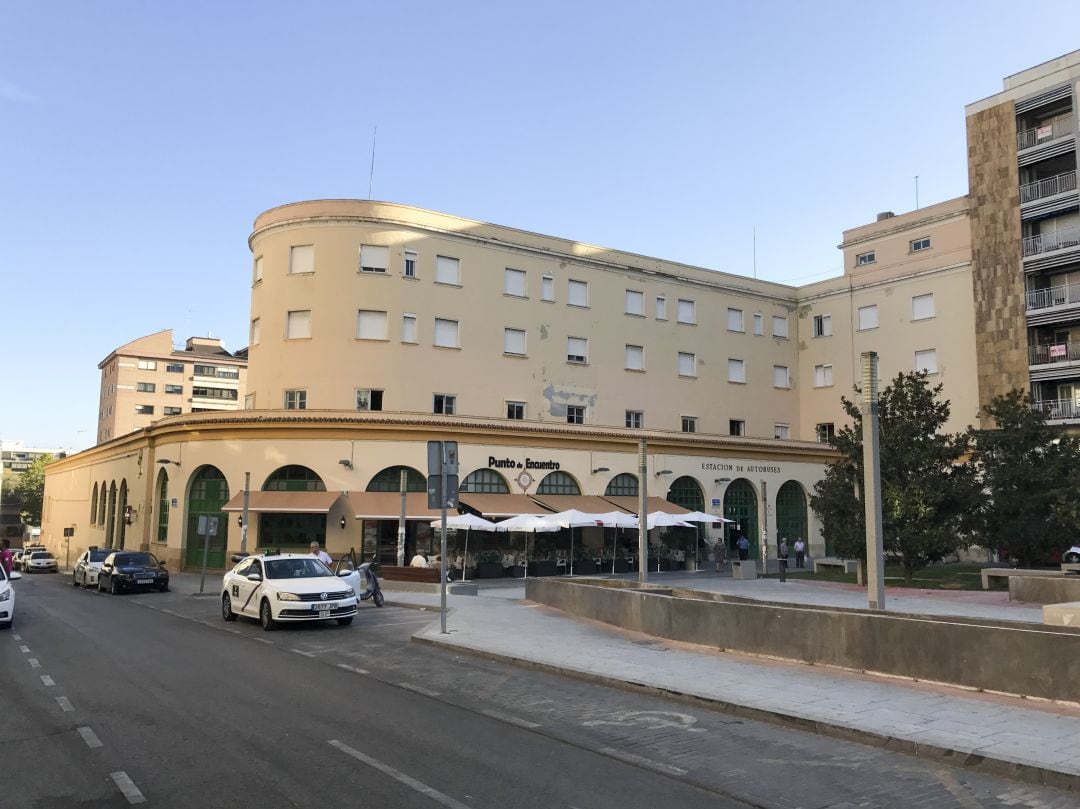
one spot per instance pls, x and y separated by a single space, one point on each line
429 575
1070 568
846 565
1067 614
998 573
1044 589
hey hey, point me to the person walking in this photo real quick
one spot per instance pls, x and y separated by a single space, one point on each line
720 554
743 544
6 560
800 552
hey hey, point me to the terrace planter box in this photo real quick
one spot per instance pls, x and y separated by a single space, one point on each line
622 566
544 567
585 567
489 570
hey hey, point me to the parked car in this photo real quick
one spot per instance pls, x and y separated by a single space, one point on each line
1072 555
7 598
132 570
40 562
85 573
286 587
24 557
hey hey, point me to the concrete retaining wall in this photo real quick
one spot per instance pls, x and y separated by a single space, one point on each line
1044 589
1027 659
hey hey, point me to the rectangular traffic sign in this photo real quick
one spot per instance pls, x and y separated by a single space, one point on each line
434 491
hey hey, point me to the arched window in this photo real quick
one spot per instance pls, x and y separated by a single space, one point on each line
389 480
624 485
121 515
93 505
485 481
101 504
163 506
686 492
294 479
558 483
110 516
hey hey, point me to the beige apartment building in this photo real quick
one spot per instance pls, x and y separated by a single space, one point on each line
148 379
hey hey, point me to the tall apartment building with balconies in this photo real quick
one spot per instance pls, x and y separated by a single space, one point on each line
1025 215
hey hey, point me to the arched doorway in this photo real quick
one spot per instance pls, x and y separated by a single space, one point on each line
687 492
110 516
289 530
741 505
485 481
558 483
121 516
209 492
791 514
381 536
622 485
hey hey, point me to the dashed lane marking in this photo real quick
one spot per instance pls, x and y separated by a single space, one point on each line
65 704
302 652
419 689
353 669
33 661
401 777
16 637
46 680
91 739
641 761
24 649
127 786
513 720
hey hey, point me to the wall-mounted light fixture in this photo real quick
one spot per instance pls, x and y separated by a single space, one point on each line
346 463
663 472
600 469
342 522
722 480
240 520
168 460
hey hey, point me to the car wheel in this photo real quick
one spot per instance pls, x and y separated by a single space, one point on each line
378 598
163 588
1072 558
114 587
226 608
345 621
8 625
266 616
100 589
74 581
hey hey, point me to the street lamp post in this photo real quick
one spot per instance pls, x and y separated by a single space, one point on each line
875 549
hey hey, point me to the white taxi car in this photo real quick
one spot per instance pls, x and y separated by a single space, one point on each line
87 567
286 587
7 598
41 562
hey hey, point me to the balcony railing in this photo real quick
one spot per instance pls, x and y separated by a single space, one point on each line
1058 184
1045 132
1056 352
1054 240
1059 409
1053 296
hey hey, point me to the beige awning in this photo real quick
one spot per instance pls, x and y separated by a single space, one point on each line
654 504
285 502
502 505
387 506
588 503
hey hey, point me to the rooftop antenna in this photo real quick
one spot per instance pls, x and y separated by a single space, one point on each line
916 192
755 251
371 174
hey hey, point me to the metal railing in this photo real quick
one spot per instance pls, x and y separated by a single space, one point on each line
1058 184
1044 132
1057 409
1056 352
1053 296
1053 240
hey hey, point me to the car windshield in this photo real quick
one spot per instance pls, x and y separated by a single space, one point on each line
296 569
40 555
135 560
98 556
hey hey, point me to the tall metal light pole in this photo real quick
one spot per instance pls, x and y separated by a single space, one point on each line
875 547
643 512
244 516
403 487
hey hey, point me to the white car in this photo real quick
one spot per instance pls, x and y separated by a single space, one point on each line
1072 555
24 557
40 562
87 567
287 587
7 598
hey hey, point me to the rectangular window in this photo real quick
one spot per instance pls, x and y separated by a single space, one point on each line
147 365
759 324
865 258
578 293
825 432
575 414
374 258
411 258
514 283
734 320
687 364
368 399
823 325
736 370
172 411
174 368
926 361
736 427
298 324
447 270
779 327
867 317
635 419
258 269
446 333
515 411
547 288
215 393
408 328
822 376
780 376
577 349
301 259
145 387
689 424
249 401
918 245
514 342
922 306
371 325
661 307
782 431
635 303
254 332
635 358
687 312
296 400
444 404
144 410
174 389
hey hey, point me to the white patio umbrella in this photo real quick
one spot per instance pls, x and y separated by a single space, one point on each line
616 520
572 518
529 524
661 519
468 522
701 516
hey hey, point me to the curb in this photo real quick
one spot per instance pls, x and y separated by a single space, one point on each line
976 762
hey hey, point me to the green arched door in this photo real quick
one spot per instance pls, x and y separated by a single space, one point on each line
687 492
741 505
791 514
208 494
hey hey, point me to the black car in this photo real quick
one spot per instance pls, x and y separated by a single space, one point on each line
132 570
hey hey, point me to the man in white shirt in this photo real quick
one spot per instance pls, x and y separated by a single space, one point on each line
418 561
321 555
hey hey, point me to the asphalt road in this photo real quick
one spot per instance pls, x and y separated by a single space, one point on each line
110 700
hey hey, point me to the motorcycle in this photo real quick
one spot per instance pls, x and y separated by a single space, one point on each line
362 578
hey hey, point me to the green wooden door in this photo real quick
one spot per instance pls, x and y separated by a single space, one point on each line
741 505
209 493
791 514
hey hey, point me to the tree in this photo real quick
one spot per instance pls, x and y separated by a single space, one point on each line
1029 471
927 492
30 489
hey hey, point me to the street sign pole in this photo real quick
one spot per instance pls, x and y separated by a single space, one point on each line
244 516
442 487
211 528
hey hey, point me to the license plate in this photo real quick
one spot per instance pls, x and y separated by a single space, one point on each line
144 581
323 607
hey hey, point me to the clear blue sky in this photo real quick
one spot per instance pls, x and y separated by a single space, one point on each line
138 141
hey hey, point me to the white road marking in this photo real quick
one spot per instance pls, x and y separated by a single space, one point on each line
16 637
264 640
353 669
302 652
127 786
24 649
648 763
513 720
397 775
33 661
654 720
47 680
419 689
90 738
65 704
404 623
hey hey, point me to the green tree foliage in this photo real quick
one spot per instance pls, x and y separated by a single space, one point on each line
927 492
1030 472
31 489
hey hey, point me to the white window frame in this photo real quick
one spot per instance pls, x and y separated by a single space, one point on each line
920 360
737 427
299 397
372 324
686 312
412 258
443 326
782 322
573 355
735 321
374 258
661 307
258 271
736 370
366 395
634 357
297 322
449 404
255 331
515 342
577 293
867 317
147 365
688 424
635 303
823 375
687 364
547 288
869 257
635 419
919 301
781 377
822 326
759 324
515 283
448 270
521 405
301 259
782 432
919 245
410 332
578 410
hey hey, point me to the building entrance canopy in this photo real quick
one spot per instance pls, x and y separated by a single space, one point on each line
285 502
494 506
387 506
